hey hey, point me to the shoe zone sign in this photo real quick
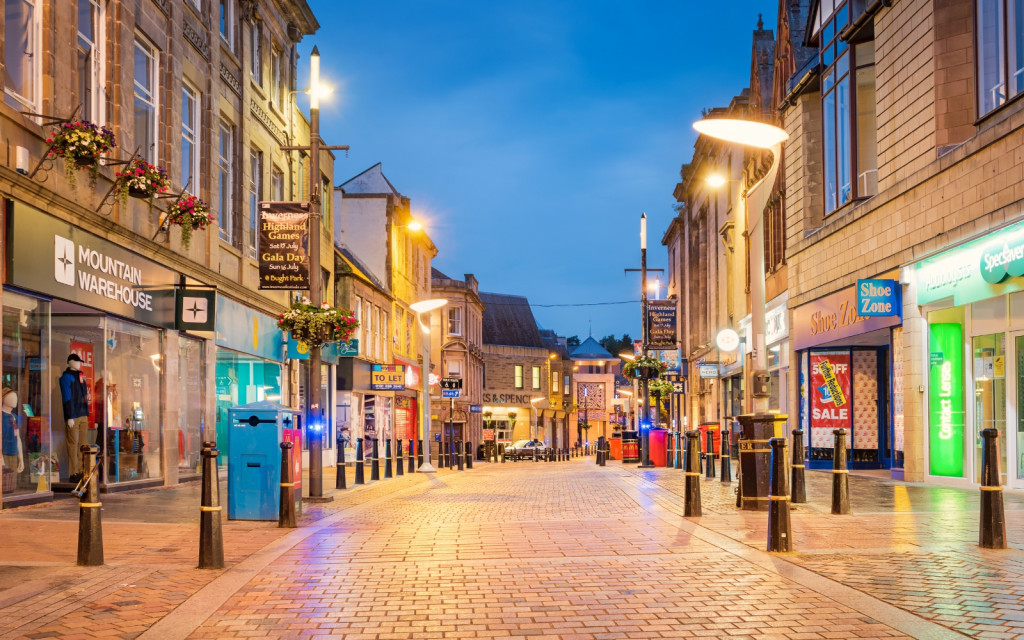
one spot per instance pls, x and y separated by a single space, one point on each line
983 268
878 298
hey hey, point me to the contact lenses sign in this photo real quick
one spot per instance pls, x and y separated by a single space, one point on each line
946 401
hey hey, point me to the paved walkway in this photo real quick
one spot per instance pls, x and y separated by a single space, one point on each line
561 550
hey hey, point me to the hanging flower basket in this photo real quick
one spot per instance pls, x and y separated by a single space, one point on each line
141 180
317 325
644 368
190 214
660 388
81 144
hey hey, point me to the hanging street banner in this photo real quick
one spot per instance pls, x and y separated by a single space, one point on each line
661 324
284 246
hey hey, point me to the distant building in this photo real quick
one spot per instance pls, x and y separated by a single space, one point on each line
593 390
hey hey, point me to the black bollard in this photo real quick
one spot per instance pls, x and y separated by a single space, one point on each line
840 475
799 487
600 451
535 453
360 463
412 458
501 452
419 453
460 453
725 459
691 494
90 526
286 511
399 463
709 455
678 450
469 455
374 461
779 531
211 538
387 458
992 530
604 451
340 481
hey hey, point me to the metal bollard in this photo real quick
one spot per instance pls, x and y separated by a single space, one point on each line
387 458
840 475
600 451
340 481
360 463
779 531
799 487
691 493
412 458
374 461
211 538
679 450
460 453
399 463
90 526
419 453
992 529
725 459
501 452
709 455
535 453
469 455
286 511
605 450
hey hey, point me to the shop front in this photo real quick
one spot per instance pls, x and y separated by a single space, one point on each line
96 350
846 363
972 300
249 362
511 416
776 337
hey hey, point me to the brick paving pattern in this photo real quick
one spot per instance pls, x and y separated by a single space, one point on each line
560 550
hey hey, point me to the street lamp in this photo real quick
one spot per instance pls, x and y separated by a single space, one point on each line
533 411
761 136
422 307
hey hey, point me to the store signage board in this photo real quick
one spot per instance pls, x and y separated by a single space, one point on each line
775 328
50 256
451 383
451 393
284 246
835 317
708 369
679 386
946 400
878 297
661 325
195 309
387 377
984 268
244 329
476 408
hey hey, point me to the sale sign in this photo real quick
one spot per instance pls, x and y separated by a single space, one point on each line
830 393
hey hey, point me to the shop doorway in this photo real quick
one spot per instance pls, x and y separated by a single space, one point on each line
1013 438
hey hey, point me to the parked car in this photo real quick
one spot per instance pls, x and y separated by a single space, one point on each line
524 450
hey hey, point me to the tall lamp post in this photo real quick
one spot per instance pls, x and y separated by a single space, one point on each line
422 307
533 411
645 433
761 136
314 417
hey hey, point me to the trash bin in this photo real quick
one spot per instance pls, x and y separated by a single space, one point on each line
716 437
255 434
658 451
630 447
756 458
615 447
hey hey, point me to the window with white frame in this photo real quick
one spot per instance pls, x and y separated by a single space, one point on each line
90 59
275 75
255 52
554 381
565 380
227 23
517 374
225 170
255 195
357 310
276 185
146 99
377 337
455 368
22 55
190 147
1000 60
455 321
536 378
368 330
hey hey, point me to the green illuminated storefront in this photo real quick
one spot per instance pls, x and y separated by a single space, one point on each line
972 299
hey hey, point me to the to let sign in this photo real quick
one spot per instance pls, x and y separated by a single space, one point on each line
387 377
284 246
878 298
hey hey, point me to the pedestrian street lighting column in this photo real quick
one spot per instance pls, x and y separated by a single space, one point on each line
761 136
425 307
314 417
645 421
533 413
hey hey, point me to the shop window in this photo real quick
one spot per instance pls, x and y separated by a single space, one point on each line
989 378
242 379
28 456
1000 42
22 38
146 99
191 385
90 59
190 147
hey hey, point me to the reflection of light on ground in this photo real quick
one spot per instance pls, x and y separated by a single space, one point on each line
900 498
903 524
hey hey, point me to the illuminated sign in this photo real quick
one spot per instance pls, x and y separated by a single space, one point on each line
946 400
878 298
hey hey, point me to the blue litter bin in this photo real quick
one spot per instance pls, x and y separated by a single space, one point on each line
255 434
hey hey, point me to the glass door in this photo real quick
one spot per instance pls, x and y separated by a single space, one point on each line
1016 437
989 364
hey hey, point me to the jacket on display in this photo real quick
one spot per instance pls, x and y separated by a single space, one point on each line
75 394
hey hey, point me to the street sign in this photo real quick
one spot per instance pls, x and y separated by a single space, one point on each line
451 393
476 408
451 383
679 386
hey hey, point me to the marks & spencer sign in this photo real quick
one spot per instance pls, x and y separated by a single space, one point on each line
53 257
983 268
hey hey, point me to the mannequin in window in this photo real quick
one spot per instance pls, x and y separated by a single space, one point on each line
13 451
74 394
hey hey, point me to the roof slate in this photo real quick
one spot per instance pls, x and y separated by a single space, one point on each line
508 320
591 349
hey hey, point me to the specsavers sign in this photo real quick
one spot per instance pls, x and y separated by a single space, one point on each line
983 268
53 257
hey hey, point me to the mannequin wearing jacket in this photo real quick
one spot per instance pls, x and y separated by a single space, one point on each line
74 394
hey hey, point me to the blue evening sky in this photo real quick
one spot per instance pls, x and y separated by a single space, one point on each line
531 135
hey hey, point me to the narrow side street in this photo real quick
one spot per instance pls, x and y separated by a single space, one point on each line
566 550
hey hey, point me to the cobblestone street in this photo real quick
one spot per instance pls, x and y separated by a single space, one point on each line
562 550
